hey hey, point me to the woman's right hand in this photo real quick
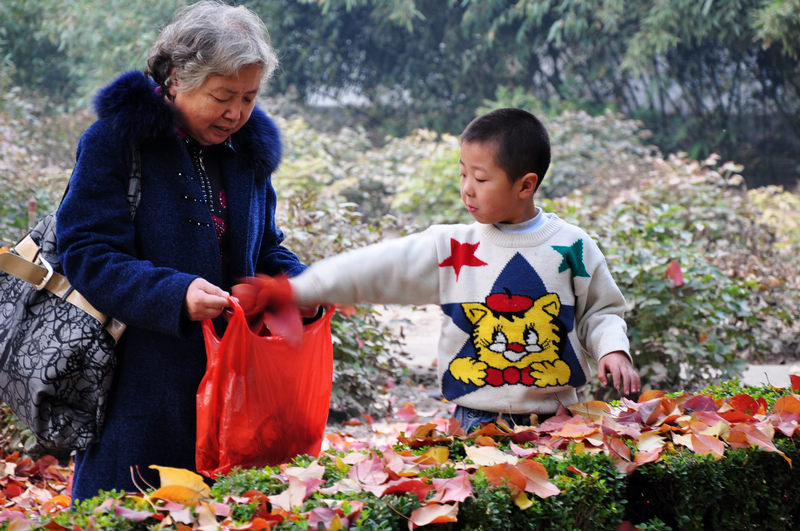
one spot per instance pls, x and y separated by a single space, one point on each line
204 300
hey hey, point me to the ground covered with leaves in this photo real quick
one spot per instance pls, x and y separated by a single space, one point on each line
408 471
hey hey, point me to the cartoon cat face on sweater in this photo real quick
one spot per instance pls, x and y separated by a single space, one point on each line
515 331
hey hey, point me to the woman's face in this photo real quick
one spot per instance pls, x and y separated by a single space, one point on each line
219 107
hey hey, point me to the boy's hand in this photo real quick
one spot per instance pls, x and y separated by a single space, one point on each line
622 372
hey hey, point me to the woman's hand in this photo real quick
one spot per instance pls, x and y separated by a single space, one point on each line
204 300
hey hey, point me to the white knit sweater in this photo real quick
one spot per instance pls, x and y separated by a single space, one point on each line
521 310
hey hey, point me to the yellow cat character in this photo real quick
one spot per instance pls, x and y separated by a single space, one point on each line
517 341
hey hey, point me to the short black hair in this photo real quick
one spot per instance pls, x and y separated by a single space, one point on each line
523 145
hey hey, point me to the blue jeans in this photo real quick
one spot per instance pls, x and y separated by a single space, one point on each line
472 419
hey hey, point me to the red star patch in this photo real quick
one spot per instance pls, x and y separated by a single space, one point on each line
462 254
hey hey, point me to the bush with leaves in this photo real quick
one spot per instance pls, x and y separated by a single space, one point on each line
736 294
318 222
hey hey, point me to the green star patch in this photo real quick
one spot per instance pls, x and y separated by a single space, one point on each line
573 259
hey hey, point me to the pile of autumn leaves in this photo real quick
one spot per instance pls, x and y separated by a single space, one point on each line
394 459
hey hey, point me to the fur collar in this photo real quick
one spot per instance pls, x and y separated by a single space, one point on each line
136 111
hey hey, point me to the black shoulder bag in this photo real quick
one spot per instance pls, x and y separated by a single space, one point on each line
56 349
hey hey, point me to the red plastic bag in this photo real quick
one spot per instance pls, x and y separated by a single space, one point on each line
261 401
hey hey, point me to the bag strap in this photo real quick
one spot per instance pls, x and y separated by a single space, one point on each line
42 276
24 266
134 194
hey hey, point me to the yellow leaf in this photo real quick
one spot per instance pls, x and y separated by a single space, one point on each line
336 524
522 501
180 485
178 494
341 466
436 454
182 477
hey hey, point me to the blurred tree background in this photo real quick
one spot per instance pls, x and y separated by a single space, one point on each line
675 132
704 76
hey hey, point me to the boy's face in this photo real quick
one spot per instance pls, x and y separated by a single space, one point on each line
486 190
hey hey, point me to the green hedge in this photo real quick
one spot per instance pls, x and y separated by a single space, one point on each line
722 459
747 489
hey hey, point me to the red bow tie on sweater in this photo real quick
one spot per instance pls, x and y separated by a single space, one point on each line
509 375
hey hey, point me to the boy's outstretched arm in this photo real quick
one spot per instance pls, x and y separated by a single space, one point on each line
618 364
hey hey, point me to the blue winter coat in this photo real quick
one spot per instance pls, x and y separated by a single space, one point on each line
139 271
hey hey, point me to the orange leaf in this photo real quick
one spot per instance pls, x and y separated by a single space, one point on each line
787 404
617 448
650 394
575 470
576 429
537 480
505 474
178 494
485 441
706 444
592 410
258 523
60 501
433 513
492 430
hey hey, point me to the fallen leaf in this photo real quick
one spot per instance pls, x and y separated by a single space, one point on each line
505 475
536 479
522 501
178 494
433 513
593 410
180 476
708 445
787 404
455 489
488 456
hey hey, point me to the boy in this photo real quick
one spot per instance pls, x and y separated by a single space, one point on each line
525 295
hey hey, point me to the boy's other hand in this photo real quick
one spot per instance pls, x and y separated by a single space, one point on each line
622 373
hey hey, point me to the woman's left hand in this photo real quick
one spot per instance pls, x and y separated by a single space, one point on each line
204 300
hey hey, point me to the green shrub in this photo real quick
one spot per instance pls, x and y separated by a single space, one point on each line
728 310
747 489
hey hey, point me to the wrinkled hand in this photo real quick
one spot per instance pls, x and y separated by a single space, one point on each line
204 300
622 373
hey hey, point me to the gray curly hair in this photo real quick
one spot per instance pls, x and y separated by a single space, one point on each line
209 38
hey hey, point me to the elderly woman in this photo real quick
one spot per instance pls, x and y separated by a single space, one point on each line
205 219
